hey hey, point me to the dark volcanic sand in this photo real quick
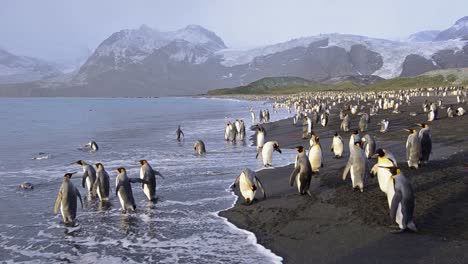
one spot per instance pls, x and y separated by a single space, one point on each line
338 225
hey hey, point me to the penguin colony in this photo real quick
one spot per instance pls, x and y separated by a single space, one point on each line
354 110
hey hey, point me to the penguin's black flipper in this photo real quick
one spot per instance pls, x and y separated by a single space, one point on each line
293 176
117 188
79 196
394 206
138 180
158 173
83 180
260 185
58 201
95 187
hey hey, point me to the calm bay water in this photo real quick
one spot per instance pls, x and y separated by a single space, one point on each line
183 227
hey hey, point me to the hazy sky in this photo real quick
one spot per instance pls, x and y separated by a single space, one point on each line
61 28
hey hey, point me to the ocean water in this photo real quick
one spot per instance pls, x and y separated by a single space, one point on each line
182 227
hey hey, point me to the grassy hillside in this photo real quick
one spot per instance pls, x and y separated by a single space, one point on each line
267 86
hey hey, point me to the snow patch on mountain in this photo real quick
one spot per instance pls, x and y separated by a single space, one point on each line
392 52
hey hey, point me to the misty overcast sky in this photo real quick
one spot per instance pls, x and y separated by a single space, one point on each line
54 28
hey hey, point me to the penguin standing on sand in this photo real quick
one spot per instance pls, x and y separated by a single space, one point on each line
199 147
337 146
67 200
354 137
179 134
101 186
356 166
384 125
363 122
89 176
315 154
345 123
148 179
302 172
368 145
305 126
248 185
324 119
425 139
403 200
413 149
267 152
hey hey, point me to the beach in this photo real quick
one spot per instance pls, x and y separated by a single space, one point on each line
339 225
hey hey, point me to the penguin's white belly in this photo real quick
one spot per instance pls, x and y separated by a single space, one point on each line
99 193
146 190
61 211
353 176
122 202
88 183
246 191
260 141
315 158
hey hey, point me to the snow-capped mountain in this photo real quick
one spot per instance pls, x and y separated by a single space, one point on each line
18 69
458 31
424 36
193 60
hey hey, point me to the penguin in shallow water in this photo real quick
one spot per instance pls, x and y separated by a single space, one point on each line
199 147
267 152
123 190
425 139
248 185
148 177
67 200
180 134
413 149
101 186
241 130
302 173
356 167
337 146
261 133
89 176
93 145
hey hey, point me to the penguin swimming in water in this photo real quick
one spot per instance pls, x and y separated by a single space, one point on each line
368 145
199 147
413 149
93 145
403 200
67 200
248 185
148 179
123 190
89 176
337 146
267 152
356 166
180 134
315 155
302 172
425 139
101 186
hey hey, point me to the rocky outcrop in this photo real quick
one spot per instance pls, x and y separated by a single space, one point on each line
416 65
364 60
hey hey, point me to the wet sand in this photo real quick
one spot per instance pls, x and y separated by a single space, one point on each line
339 225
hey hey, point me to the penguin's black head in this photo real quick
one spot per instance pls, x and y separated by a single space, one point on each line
98 165
355 132
299 149
142 162
277 148
68 175
410 130
120 170
80 162
336 134
379 153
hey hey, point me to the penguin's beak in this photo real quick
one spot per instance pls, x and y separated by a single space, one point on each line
279 150
419 125
407 130
375 156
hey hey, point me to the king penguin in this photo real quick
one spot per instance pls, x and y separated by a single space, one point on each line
89 176
356 166
123 190
368 145
148 177
261 133
199 147
337 146
302 172
101 186
67 200
315 155
425 139
93 145
413 149
267 152
248 185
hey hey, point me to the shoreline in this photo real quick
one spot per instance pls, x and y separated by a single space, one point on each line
337 225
